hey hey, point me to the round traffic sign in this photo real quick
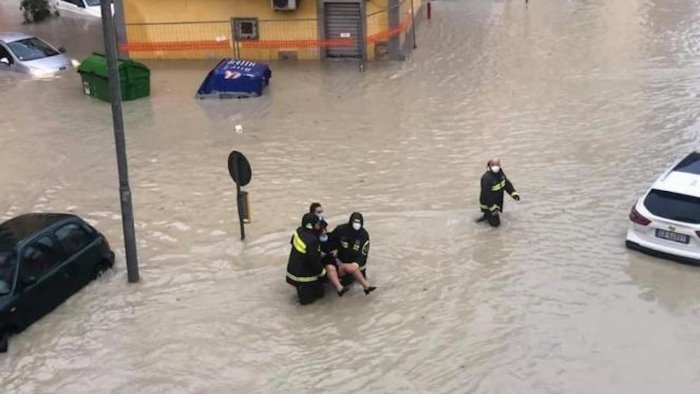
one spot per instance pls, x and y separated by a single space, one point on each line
239 168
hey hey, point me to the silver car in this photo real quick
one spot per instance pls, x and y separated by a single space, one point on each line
27 54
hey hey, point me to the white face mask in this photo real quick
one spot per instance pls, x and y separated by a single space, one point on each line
323 238
495 169
356 225
321 216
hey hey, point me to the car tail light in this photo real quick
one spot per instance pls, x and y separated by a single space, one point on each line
637 217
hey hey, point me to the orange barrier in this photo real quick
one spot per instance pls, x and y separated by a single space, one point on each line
273 44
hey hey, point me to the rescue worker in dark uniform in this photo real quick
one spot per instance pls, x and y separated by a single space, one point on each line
493 183
304 269
329 251
353 248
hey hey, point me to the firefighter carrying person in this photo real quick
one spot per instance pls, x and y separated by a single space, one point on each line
353 247
304 269
493 183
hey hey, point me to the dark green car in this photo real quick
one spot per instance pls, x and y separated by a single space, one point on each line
44 259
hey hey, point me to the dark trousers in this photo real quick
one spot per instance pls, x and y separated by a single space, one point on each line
494 218
310 292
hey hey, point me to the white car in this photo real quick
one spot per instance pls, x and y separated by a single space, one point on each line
82 7
666 221
27 54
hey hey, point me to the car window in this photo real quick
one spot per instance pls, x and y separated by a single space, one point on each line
31 49
39 258
674 206
73 238
8 265
94 3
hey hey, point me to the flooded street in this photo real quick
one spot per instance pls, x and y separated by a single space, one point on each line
585 101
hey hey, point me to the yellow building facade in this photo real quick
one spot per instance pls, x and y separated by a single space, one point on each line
266 29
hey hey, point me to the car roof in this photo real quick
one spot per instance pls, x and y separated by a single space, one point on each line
683 178
10 36
21 227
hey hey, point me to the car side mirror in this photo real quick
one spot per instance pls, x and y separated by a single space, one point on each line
62 50
28 281
5 61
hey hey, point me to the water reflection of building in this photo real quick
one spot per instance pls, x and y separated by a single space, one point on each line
267 30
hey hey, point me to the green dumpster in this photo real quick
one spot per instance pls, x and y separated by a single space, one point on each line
135 78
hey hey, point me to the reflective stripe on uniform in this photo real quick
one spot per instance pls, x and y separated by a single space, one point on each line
514 194
494 207
299 245
498 186
306 279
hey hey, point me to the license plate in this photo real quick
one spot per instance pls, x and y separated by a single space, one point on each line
671 236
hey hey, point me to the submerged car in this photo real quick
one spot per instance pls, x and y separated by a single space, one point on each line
666 220
27 54
81 7
44 259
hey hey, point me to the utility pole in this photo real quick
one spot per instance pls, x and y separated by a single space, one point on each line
132 265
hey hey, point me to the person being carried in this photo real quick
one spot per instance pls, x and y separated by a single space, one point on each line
317 209
304 268
353 249
329 253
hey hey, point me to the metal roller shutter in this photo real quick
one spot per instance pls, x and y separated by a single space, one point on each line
342 20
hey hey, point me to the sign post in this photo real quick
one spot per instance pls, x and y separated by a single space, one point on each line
239 169
132 265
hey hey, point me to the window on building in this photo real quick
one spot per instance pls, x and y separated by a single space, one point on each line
245 28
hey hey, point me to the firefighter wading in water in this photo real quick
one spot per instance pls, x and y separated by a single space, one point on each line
304 269
493 183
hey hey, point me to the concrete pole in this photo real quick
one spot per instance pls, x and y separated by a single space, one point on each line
132 265
120 27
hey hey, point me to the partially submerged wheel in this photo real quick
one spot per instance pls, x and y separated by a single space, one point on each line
100 268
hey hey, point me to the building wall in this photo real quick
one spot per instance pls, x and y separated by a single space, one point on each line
179 29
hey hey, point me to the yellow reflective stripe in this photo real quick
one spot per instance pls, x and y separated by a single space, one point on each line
514 193
498 186
494 207
299 245
362 268
306 279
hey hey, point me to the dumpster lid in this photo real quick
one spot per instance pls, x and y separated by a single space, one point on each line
236 68
235 77
97 64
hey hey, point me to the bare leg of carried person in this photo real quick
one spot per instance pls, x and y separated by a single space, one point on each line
354 270
332 274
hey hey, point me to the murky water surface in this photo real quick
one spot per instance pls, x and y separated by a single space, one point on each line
585 101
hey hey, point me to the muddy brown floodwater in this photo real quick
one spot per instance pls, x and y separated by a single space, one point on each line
586 102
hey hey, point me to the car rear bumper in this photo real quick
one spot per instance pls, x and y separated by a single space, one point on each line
635 242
